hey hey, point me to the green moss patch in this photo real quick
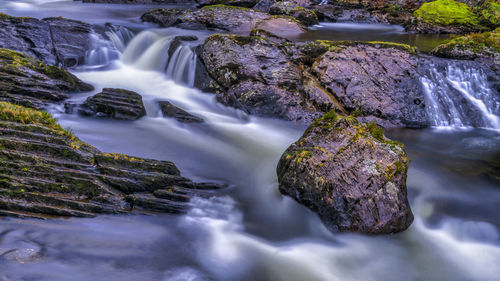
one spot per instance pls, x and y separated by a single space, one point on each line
446 13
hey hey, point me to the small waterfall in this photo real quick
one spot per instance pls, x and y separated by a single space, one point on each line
458 95
182 65
150 51
120 36
101 52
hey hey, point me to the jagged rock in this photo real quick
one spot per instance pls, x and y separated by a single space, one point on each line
228 18
114 103
305 16
350 175
45 170
268 77
163 17
27 81
259 77
239 3
472 46
56 41
179 114
374 79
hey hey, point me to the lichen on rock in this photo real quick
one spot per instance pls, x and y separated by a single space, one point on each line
350 174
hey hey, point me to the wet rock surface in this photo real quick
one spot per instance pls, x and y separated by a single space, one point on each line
375 81
228 18
350 175
260 78
179 114
27 81
239 3
163 17
270 77
114 103
46 172
56 41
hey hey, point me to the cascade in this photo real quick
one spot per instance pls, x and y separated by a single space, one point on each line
460 96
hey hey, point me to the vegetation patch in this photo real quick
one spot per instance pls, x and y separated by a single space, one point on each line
446 13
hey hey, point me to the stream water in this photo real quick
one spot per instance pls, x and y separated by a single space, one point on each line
248 231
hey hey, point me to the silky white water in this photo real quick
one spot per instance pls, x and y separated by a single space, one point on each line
248 231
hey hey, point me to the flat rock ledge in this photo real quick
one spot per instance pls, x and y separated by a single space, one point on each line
350 174
45 171
115 104
27 81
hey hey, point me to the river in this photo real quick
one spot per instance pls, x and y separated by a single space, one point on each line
248 231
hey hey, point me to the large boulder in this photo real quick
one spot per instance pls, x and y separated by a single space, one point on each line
28 81
56 41
114 103
47 171
472 46
266 76
259 77
375 79
350 175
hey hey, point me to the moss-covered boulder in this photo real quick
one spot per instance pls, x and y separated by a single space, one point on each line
472 46
46 171
446 16
305 16
27 81
350 174
489 13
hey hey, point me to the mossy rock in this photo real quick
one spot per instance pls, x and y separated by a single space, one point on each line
350 174
489 13
46 171
472 46
447 12
446 16
26 80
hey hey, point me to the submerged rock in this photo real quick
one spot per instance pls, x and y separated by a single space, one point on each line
45 170
179 114
350 175
56 41
27 81
114 103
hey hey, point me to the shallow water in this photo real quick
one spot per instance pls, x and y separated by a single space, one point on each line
248 231
373 32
